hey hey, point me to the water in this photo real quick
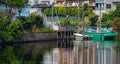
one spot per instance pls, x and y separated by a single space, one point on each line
47 52
94 53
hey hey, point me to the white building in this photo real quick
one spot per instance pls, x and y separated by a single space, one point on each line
37 4
32 2
105 6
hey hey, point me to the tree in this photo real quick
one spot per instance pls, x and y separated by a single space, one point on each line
13 6
63 22
105 17
36 21
109 23
9 31
93 19
116 25
26 22
85 6
21 4
69 11
90 11
61 11
74 11
85 9
73 23
116 13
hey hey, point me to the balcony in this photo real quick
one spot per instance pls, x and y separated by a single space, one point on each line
97 1
98 8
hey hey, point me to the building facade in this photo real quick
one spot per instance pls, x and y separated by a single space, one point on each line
105 5
73 3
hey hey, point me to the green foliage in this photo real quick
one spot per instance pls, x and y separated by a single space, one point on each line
16 55
73 23
90 11
111 12
68 11
116 13
105 17
80 23
36 20
85 7
63 22
109 23
16 5
7 56
61 11
32 22
48 11
46 30
26 22
74 12
88 24
9 31
93 19
108 18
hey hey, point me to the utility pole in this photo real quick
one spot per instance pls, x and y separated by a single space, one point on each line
78 60
100 34
78 15
83 29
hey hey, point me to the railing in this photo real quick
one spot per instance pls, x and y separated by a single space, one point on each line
98 8
115 0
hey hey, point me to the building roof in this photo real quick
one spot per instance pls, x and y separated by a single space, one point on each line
41 6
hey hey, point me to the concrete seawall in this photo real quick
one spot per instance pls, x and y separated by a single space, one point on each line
38 36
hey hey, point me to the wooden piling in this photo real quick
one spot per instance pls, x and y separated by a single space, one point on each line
64 39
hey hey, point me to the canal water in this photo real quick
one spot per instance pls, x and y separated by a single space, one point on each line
48 52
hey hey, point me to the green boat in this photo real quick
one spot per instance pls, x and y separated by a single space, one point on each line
106 34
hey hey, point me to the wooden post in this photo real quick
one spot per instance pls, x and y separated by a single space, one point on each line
94 55
88 55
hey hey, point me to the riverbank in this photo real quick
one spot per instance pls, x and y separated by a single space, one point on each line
34 37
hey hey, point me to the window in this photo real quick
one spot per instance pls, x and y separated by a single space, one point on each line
108 6
96 4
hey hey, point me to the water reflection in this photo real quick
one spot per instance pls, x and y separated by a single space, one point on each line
25 53
47 52
92 53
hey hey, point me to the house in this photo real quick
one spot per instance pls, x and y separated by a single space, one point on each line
33 2
37 6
